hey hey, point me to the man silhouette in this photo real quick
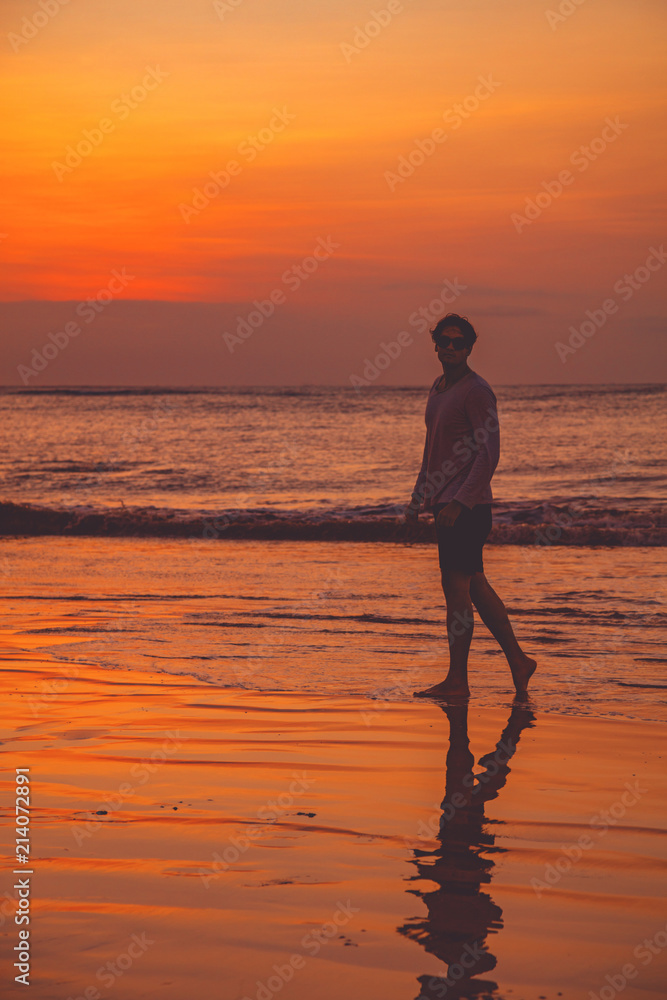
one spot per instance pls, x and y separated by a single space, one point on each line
460 456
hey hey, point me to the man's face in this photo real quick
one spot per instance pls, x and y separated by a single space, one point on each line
450 353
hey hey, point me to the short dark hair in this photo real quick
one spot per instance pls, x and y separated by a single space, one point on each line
462 323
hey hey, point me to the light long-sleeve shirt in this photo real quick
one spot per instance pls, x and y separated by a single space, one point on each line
462 444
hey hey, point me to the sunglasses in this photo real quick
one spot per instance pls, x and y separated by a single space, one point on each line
458 343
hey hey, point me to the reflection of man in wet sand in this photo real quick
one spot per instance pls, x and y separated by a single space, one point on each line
460 456
460 915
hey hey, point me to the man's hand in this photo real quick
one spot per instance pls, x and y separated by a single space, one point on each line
449 514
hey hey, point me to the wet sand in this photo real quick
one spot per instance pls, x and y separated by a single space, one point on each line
330 619
194 840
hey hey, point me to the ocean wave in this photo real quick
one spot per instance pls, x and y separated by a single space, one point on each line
527 524
69 467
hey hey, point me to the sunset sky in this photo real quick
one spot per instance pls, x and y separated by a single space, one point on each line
181 87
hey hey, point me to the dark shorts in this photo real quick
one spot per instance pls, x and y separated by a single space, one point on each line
460 545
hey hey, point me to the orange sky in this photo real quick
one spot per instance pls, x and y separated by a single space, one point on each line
328 173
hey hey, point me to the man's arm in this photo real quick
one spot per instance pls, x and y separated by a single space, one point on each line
418 492
480 408
417 499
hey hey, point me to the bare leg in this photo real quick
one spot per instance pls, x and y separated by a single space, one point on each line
493 613
460 620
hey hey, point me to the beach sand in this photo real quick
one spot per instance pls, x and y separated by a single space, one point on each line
193 840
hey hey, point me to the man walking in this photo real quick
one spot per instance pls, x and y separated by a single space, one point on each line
460 456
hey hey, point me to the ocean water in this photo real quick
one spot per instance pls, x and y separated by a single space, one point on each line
580 465
282 564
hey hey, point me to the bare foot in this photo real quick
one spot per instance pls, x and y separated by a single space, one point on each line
522 671
445 690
